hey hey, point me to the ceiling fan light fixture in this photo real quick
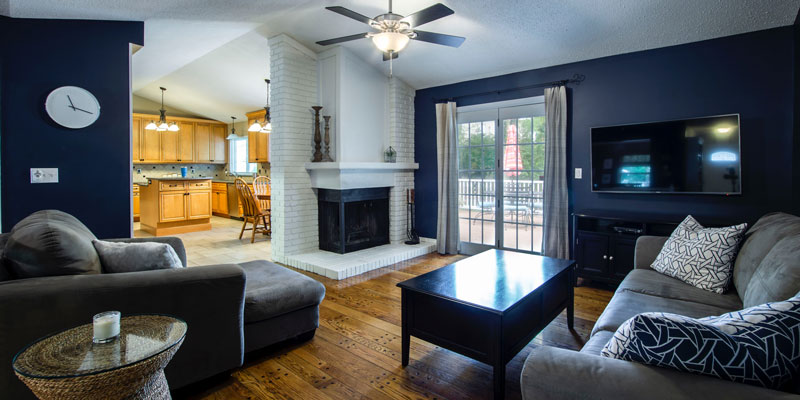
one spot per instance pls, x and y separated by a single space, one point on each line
390 42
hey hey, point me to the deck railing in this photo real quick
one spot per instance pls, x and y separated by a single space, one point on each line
480 193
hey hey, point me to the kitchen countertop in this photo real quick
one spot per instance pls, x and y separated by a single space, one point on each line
181 178
232 181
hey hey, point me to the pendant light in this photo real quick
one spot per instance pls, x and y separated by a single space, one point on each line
233 134
266 126
162 124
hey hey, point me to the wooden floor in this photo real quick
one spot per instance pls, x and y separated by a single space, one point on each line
356 351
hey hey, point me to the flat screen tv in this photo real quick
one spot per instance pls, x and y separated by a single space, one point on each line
697 156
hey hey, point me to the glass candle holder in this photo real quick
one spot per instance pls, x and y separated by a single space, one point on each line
106 326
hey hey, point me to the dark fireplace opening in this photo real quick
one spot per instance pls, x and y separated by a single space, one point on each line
353 219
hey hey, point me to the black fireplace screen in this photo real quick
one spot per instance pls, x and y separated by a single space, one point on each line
353 219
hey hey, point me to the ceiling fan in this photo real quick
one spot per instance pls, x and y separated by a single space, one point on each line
392 32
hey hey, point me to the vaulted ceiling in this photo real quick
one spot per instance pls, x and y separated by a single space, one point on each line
213 55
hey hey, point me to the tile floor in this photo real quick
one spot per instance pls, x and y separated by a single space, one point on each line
220 245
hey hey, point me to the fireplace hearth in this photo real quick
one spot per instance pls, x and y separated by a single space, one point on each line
353 219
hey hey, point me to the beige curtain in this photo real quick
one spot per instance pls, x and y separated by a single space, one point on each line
447 213
555 237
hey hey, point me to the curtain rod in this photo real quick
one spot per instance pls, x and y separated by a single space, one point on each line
576 79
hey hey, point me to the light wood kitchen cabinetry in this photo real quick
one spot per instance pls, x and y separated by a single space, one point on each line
170 206
198 141
136 203
219 199
257 142
218 144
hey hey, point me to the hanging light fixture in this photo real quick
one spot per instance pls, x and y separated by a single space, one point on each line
162 124
233 134
266 126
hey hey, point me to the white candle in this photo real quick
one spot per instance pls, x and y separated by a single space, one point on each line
106 326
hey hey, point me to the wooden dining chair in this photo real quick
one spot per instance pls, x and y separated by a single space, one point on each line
261 185
251 211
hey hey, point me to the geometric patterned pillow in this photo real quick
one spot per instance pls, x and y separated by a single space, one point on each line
758 346
701 257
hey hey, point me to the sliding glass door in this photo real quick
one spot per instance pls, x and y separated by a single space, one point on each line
501 174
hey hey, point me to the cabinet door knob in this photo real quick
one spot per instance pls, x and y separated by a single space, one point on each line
611 258
605 257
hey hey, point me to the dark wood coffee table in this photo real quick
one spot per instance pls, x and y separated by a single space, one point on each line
487 307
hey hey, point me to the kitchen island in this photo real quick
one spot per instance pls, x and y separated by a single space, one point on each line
169 206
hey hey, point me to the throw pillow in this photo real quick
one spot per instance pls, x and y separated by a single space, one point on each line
701 257
757 346
50 243
134 257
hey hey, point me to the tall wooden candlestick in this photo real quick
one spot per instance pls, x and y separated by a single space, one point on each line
327 156
317 136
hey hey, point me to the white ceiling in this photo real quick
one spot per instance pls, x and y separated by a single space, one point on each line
212 55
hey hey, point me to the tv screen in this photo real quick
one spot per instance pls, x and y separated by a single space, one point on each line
699 155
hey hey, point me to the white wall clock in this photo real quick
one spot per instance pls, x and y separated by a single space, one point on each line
72 107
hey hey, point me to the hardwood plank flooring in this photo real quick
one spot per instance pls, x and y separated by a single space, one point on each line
356 351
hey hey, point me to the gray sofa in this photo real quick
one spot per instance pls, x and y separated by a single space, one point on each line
230 309
553 373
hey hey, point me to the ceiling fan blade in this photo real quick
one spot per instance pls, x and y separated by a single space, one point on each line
429 14
386 56
350 14
342 39
439 38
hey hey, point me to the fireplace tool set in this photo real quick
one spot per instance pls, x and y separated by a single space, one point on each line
411 231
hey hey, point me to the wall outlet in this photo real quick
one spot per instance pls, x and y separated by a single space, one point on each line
578 173
44 175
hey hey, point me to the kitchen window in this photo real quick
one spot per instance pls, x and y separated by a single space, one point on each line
238 158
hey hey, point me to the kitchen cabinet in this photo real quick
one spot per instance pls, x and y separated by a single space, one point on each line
218 144
172 206
202 142
136 203
219 199
151 145
136 138
257 142
198 141
186 142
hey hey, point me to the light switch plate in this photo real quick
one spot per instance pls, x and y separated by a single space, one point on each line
578 173
44 175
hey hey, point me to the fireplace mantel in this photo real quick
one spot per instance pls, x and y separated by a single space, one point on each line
355 175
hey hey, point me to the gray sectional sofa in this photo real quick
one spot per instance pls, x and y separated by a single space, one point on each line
760 275
230 309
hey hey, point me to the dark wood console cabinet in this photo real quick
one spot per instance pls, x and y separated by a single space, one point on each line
604 242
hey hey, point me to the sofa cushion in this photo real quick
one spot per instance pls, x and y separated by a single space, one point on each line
759 240
625 305
653 283
272 290
756 346
777 278
49 243
701 257
118 257
596 343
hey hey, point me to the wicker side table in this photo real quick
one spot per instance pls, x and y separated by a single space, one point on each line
68 365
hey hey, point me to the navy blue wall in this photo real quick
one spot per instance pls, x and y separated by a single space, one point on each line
750 74
94 162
